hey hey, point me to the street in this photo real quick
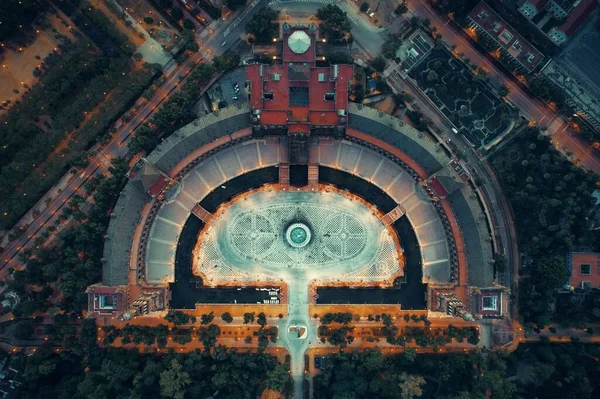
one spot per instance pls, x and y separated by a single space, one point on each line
117 147
532 108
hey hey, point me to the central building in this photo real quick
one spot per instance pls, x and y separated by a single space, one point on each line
298 188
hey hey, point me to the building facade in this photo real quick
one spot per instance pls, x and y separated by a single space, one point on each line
488 24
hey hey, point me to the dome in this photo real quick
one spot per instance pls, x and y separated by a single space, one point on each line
299 42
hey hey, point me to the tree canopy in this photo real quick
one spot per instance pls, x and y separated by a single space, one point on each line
335 24
262 27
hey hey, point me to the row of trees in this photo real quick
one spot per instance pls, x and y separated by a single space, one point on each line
344 318
89 371
77 263
109 29
17 16
176 112
369 374
72 100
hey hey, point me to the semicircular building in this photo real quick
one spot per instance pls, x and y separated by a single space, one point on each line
298 187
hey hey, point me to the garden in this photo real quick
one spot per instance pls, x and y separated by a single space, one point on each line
463 97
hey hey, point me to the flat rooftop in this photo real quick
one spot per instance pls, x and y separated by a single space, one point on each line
506 36
297 91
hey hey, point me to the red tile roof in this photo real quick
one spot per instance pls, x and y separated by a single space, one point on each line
578 16
438 188
300 74
158 185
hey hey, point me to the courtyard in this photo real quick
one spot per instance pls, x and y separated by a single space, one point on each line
478 114
290 236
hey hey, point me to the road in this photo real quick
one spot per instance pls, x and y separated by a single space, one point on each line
117 147
532 108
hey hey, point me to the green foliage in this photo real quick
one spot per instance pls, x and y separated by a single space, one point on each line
401 9
78 261
261 319
18 15
547 92
227 318
378 63
421 123
262 27
118 372
208 336
337 336
367 374
109 29
364 6
174 380
207 318
503 91
24 330
391 45
551 197
335 24
280 380
248 317
66 93
187 24
344 318
174 111
235 4
180 318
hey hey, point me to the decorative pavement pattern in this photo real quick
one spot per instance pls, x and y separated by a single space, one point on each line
275 235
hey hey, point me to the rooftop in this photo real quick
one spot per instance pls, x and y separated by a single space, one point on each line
585 269
578 16
297 91
506 36
575 86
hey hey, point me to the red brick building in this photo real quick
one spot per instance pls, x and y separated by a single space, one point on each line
296 96
585 269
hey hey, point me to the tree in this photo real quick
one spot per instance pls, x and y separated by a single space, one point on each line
179 318
234 4
207 318
176 13
227 318
261 319
248 317
401 9
401 98
335 26
549 272
187 24
24 330
391 45
378 63
503 91
149 20
364 6
174 380
432 75
262 27
226 61
410 386
280 380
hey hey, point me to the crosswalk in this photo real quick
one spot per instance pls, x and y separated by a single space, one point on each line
274 2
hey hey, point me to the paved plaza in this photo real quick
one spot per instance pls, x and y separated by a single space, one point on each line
281 235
